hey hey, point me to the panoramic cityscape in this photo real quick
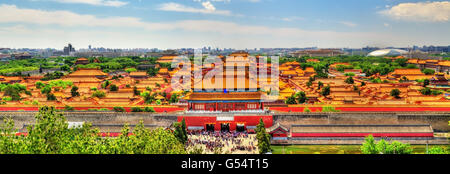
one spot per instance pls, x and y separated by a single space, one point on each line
224 77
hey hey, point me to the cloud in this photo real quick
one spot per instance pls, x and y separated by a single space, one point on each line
111 3
10 13
348 24
421 11
208 8
292 18
222 33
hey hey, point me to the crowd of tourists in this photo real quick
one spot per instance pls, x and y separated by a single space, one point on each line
223 142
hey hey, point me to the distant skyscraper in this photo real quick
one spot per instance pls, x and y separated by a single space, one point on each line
68 49
90 47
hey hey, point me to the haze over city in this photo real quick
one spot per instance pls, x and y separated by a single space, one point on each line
235 24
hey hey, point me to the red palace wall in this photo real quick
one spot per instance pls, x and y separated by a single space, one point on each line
246 120
362 134
366 109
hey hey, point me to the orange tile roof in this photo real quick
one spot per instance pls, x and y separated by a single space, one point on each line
290 72
309 69
87 72
205 96
413 61
312 60
138 73
407 72
444 63
163 71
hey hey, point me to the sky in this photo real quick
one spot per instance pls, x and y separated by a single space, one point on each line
235 24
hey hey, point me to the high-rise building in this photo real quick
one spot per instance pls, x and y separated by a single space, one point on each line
68 49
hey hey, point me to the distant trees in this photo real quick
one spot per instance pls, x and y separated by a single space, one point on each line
370 146
65 68
52 76
428 91
98 94
13 91
401 62
152 71
349 74
128 70
428 71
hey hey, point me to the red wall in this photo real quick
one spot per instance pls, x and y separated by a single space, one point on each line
362 134
246 120
128 109
365 109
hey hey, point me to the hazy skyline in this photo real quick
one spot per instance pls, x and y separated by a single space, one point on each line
235 24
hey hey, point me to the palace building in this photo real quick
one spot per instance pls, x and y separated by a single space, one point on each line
225 92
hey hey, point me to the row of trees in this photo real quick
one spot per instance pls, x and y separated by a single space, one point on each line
370 146
51 135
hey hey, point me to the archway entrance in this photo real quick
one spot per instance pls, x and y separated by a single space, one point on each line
225 127
240 127
210 127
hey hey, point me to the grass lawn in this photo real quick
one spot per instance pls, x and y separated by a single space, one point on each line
335 149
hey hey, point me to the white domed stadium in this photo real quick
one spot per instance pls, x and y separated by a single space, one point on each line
387 52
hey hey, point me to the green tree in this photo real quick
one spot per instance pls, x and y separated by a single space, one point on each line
263 138
135 91
98 94
12 92
147 97
174 98
426 82
51 97
349 80
181 131
51 135
106 84
74 91
113 88
425 91
46 90
428 71
395 93
326 91
119 109
369 146
319 85
438 150
290 100
301 97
